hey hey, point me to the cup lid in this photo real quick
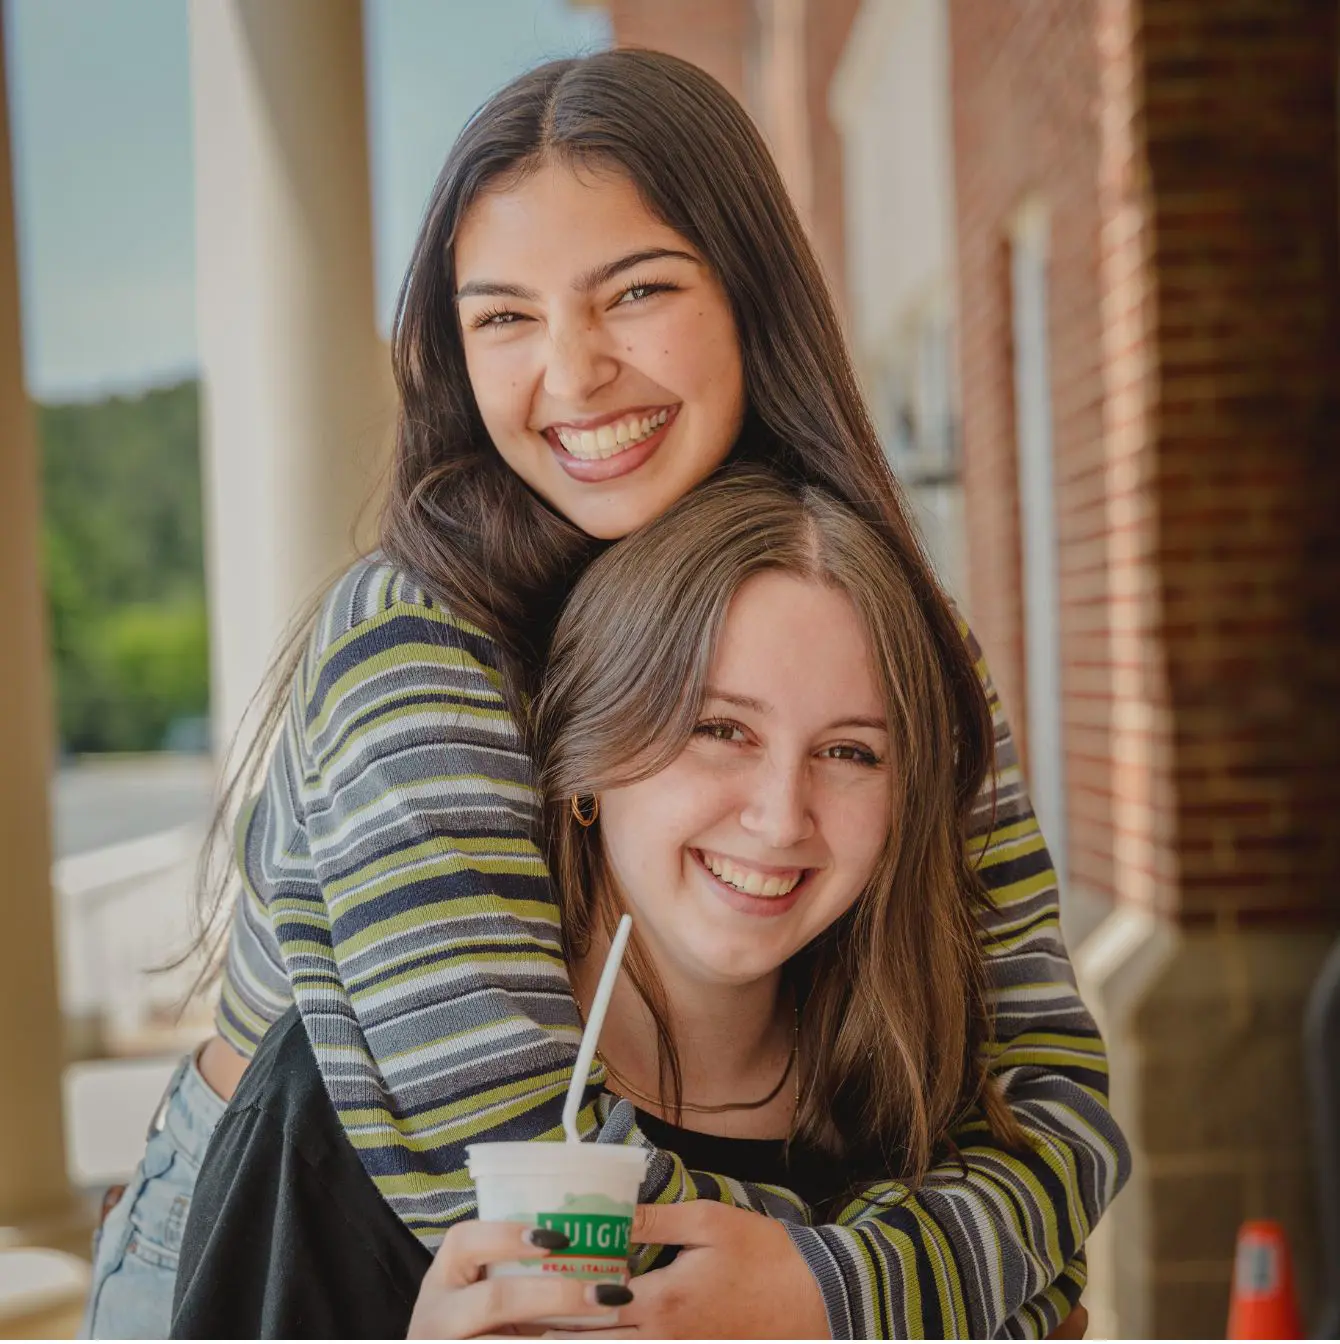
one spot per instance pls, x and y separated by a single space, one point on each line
542 1157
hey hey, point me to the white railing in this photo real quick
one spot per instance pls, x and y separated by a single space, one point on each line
122 912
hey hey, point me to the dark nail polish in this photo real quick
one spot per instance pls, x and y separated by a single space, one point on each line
613 1295
547 1238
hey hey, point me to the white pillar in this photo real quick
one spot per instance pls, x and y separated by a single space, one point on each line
33 1185
1044 741
297 403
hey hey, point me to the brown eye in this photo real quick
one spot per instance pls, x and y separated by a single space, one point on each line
719 730
637 293
495 317
850 751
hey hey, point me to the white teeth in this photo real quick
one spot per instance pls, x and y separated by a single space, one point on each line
749 880
592 445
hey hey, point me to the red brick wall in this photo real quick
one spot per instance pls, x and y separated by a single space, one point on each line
827 24
1141 803
1024 81
714 34
1188 153
1241 125
749 50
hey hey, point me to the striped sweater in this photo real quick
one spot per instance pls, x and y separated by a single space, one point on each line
390 887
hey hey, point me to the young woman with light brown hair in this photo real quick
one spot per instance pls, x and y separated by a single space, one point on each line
745 738
611 297
891 990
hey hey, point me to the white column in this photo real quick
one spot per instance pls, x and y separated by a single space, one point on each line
297 402
890 100
33 1185
1044 755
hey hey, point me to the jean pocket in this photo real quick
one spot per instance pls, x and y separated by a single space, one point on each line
109 1253
158 1217
135 1261
132 1293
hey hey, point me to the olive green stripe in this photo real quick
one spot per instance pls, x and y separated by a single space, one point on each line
430 858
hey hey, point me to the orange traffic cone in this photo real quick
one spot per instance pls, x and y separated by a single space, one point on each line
1262 1304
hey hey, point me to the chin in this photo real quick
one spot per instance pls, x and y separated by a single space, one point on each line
733 971
610 529
611 521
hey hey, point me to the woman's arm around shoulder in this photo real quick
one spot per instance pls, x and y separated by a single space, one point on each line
407 897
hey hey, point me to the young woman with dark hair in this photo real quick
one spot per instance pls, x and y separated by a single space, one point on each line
610 298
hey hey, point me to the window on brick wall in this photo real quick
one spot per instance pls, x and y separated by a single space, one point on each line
914 398
917 406
1044 743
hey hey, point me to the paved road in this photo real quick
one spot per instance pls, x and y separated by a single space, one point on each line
102 801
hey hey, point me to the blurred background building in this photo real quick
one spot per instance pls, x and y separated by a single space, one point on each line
1088 253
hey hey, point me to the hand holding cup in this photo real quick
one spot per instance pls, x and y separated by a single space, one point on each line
457 1301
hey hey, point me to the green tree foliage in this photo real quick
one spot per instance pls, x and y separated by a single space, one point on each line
124 567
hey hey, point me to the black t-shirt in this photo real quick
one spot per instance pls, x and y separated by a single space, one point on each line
288 1237
814 1177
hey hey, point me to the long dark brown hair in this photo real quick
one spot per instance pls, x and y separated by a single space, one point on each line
895 1024
466 526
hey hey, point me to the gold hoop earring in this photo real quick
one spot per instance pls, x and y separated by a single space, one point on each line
584 821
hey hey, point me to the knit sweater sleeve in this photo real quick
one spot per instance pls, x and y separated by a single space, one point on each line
254 991
991 1243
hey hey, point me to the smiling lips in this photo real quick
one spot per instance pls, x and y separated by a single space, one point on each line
753 891
751 881
591 445
617 445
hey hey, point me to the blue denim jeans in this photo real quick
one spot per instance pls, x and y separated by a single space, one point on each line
135 1250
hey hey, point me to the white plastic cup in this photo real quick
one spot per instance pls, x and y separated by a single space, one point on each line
587 1190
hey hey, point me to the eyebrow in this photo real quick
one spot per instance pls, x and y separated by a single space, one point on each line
585 283
762 707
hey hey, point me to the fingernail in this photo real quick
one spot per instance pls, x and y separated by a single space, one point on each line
612 1295
547 1238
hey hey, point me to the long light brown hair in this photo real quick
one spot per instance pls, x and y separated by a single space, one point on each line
895 1026
463 523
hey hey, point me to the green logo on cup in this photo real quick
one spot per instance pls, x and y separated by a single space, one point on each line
590 1234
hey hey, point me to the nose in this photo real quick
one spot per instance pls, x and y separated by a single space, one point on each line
578 364
779 808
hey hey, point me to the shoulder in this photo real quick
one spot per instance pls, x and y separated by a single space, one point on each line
372 592
386 658
376 616
974 648
970 641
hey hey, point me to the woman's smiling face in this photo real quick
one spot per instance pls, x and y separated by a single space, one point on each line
601 349
769 824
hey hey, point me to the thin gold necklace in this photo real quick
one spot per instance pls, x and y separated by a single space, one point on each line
792 1066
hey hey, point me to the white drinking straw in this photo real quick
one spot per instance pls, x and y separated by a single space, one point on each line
594 1021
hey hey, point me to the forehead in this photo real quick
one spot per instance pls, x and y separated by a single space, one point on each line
799 646
554 224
